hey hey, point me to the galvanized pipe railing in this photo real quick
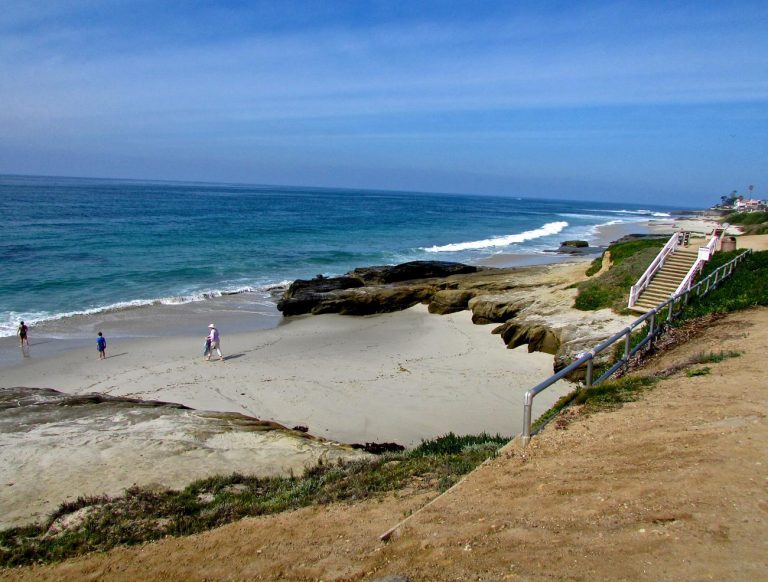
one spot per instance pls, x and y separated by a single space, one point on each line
701 288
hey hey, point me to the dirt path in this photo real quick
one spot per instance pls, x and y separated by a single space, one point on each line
672 487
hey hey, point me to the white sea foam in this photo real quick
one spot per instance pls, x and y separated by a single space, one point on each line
10 324
501 241
641 212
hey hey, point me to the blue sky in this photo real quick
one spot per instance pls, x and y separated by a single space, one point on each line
650 102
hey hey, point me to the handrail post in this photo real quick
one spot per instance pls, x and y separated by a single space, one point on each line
527 406
627 341
652 330
590 366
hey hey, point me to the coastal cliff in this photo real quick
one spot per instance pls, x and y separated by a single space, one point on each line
531 306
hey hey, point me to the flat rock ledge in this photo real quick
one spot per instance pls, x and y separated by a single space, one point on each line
56 447
530 306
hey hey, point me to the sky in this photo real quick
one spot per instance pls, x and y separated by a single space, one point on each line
664 102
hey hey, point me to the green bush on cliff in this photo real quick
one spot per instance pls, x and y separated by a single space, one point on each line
745 288
751 222
629 260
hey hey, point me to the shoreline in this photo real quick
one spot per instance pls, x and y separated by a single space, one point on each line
401 377
391 377
234 312
149 358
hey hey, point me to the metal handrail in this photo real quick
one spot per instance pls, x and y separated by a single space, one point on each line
657 263
711 281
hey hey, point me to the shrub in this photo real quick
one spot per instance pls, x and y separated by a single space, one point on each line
611 289
745 288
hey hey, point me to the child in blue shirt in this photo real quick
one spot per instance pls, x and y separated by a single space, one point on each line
101 345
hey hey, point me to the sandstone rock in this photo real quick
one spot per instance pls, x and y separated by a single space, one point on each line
538 338
574 243
534 304
449 301
59 447
494 308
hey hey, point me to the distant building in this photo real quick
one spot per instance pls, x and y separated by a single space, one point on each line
749 205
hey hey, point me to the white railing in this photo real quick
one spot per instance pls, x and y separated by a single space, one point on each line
705 253
656 323
657 263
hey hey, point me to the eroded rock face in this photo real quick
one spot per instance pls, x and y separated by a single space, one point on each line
533 304
450 301
494 308
370 300
539 338
370 290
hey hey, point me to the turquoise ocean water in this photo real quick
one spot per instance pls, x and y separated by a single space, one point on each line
77 247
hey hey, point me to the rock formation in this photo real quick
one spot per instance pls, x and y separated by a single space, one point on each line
534 305
96 444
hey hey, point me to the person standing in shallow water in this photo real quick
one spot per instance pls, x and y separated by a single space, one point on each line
22 333
213 335
101 345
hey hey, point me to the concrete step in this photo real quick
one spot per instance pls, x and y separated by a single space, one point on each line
666 281
669 276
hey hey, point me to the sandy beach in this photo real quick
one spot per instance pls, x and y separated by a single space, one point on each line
394 377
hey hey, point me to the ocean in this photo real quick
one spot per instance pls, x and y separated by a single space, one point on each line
92 248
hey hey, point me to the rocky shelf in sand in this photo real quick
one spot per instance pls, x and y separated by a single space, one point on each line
59 447
531 306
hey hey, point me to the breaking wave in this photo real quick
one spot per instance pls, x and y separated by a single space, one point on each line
501 241
11 319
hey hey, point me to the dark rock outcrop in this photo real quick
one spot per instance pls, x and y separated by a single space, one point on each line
370 290
379 448
574 243
577 247
370 300
304 294
410 272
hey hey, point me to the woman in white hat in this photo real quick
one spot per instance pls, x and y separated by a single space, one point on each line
213 335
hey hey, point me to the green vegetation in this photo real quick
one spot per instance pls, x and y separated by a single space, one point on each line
745 288
595 266
143 514
611 289
753 222
698 372
609 395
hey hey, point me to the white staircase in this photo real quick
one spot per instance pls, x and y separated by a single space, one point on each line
665 282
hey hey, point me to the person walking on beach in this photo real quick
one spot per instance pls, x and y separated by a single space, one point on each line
213 335
101 345
22 333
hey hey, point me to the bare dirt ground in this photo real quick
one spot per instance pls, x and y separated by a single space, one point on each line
672 487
